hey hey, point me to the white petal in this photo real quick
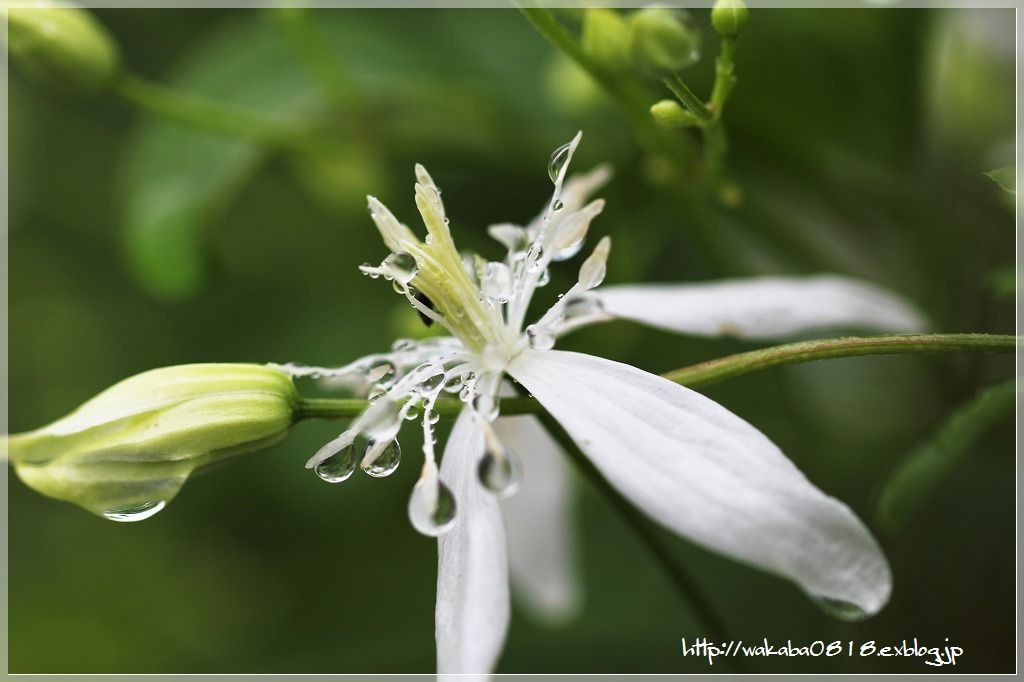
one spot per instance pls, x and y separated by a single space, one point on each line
472 567
540 523
705 473
763 307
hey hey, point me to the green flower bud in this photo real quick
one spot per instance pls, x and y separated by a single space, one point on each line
62 45
728 17
668 113
663 41
127 452
605 38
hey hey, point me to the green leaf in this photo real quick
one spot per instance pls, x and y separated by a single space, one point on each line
176 180
933 461
1005 177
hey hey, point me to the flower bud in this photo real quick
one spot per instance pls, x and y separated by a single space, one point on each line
663 41
127 452
728 17
605 38
61 45
668 113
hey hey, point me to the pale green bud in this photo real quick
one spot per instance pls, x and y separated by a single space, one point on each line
127 452
668 113
663 41
62 45
605 38
728 17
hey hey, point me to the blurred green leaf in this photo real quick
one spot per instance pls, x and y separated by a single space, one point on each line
927 466
176 180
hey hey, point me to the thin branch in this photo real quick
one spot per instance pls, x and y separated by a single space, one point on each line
728 367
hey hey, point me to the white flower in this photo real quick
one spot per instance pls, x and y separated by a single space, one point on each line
684 460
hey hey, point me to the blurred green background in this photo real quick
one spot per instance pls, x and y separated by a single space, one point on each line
859 138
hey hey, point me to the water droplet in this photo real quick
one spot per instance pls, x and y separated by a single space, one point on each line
402 267
339 466
581 306
411 410
432 416
135 512
375 393
453 384
558 205
559 157
403 345
540 338
544 278
381 372
466 393
838 608
432 378
385 463
432 510
486 406
499 473
496 283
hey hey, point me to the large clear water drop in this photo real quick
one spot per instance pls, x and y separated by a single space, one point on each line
559 158
496 283
401 266
386 462
135 512
339 466
540 338
500 473
432 510
841 609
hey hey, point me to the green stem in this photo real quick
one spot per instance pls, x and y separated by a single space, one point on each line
725 78
682 91
731 366
200 112
313 50
648 534
728 367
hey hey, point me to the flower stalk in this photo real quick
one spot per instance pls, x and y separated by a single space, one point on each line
728 367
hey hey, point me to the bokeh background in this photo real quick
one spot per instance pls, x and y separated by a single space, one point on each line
859 139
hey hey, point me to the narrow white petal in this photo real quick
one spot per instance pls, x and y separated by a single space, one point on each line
472 567
540 523
763 307
705 473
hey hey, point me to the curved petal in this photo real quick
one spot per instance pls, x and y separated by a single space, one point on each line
703 472
762 307
540 523
472 613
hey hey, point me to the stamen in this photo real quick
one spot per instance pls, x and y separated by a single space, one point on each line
538 255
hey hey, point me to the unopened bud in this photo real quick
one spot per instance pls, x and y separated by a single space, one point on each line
61 45
728 17
127 452
605 38
668 113
663 41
